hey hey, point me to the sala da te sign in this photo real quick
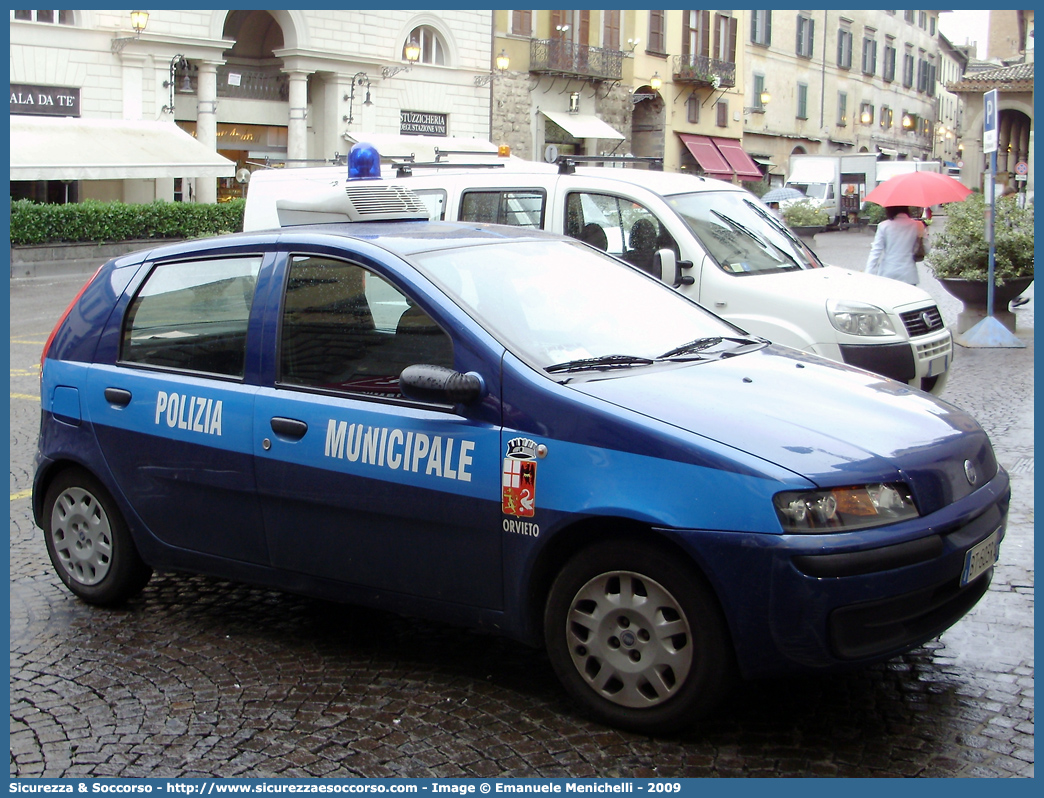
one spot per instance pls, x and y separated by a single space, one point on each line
45 100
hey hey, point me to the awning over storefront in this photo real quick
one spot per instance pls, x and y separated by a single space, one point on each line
740 162
707 156
584 126
396 146
63 148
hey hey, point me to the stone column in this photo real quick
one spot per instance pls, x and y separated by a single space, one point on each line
297 126
206 124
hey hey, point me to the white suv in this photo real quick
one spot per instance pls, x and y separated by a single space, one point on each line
733 256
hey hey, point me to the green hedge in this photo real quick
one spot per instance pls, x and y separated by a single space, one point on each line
93 221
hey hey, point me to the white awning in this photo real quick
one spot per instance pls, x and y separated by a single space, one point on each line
64 148
584 126
396 146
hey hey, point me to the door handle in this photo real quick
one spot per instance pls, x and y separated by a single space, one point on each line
289 427
118 396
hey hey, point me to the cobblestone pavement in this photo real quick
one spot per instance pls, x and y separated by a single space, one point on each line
202 677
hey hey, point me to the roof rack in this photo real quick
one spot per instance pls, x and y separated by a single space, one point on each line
405 167
567 163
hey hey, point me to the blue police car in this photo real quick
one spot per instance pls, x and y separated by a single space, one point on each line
511 430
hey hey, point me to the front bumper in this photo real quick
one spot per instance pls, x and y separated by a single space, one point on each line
821 602
922 362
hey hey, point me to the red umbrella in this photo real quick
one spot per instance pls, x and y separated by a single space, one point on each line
919 189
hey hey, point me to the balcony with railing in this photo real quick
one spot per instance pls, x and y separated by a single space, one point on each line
565 59
241 83
700 70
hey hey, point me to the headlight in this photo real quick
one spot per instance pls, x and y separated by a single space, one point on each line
844 509
859 318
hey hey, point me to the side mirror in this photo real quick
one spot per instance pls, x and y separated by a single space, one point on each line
425 383
667 266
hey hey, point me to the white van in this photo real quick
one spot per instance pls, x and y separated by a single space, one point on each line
715 241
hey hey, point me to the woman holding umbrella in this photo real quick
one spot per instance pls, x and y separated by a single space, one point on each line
897 239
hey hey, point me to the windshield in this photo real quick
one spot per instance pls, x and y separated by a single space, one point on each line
742 234
566 308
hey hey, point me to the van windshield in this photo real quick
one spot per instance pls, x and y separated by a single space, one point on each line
742 234
819 191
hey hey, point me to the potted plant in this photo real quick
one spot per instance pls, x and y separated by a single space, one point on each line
874 215
806 218
959 256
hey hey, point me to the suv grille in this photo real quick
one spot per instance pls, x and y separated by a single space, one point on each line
922 322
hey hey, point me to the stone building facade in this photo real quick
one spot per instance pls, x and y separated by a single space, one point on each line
259 87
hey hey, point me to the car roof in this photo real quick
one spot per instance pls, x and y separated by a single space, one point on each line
401 238
663 183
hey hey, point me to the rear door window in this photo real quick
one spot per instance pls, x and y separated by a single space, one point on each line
617 225
193 316
515 207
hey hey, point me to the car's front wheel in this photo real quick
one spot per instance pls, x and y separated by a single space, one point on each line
638 637
88 542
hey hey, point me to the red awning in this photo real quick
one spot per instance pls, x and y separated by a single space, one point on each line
740 162
707 156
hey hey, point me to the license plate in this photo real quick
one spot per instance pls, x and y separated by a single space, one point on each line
979 558
938 366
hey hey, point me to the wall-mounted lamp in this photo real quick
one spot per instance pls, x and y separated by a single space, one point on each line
358 79
764 99
139 20
632 44
411 52
178 62
655 83
503 62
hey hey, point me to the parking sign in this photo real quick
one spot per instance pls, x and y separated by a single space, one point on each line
990 122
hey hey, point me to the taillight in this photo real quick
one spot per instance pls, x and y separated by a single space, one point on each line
61 321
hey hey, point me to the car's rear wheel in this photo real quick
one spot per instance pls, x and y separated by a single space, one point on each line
638 638
88 542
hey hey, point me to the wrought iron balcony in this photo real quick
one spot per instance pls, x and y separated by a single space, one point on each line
241 83
703 71
562 58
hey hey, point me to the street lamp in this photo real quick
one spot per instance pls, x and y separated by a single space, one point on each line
411 52
764 98
177 62
139 20
503 62
358 79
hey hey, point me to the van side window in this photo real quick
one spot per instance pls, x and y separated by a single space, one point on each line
516 207
192 316
617 225
344 328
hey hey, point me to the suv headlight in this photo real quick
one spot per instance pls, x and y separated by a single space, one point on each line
844 509
859 318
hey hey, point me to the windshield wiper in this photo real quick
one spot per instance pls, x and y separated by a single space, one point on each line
761 242
700 345
603 363
782 227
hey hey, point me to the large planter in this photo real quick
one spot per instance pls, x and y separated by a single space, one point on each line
808 233
974 295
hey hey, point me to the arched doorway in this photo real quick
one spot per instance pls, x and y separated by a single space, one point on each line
251 78
647 125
